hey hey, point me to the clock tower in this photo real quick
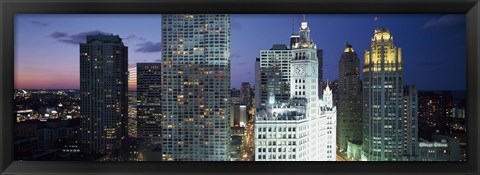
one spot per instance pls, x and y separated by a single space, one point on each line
302 114
304 67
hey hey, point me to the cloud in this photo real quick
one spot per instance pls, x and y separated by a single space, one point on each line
129 37
57 35
248 73
39 23
446 21
158 60
149 47
74 38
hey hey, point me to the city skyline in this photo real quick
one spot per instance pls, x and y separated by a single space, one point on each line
185 110
60 70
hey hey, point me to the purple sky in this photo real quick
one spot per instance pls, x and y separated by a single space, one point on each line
434 46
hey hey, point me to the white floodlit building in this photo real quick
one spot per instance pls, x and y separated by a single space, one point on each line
302 128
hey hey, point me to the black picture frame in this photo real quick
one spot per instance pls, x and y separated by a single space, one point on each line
8 9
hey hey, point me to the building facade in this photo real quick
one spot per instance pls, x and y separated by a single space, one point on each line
246 94
274 75
195 87
238 115
149 94
383 112
349 120
132 114
435 109
441 148
410 122
103 94
302 128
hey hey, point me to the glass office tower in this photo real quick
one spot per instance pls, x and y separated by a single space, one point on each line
195 87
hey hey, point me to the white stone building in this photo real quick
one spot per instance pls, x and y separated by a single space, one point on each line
302 128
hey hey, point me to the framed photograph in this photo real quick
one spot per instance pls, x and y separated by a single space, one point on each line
230 87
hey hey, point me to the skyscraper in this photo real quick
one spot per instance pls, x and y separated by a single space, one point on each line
274 75
349 118
257 86
383 129
294 40
245 94
238 115
195 87
320 64
132 78
132 114
301 128
103 93
410 122
434 109
149 95
272 69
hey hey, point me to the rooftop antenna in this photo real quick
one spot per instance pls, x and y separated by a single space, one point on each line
376 19
304 18
293 24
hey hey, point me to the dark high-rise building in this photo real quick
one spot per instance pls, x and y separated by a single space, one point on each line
320 64
196 87
149 95
383 129
103 94
238 115
434 109
257 87
410 122
349 111
245 94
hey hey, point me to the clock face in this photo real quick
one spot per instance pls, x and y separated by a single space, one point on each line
300 70
297 70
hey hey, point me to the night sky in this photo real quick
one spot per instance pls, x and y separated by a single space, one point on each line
434 45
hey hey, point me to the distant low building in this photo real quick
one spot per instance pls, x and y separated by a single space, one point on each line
442 148
238 115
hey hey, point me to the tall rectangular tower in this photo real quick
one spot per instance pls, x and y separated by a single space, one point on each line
320 64
103 93
349 122
410 120
149 95
195 87
245 94
274 72
383 129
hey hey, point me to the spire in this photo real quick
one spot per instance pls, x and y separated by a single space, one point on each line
327 96
348 47
304 18
328 87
